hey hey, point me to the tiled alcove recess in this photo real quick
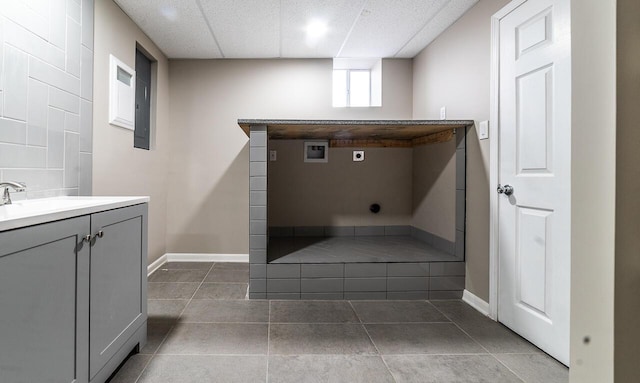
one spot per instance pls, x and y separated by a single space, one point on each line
46 91
435 279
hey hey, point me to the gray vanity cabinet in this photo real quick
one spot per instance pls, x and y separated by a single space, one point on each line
118 284
44 287
70 309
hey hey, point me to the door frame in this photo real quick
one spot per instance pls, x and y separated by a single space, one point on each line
494 160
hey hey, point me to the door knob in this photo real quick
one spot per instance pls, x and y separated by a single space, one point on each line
506 189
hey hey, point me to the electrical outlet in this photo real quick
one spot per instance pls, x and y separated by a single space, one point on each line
358 155
273 155
443 113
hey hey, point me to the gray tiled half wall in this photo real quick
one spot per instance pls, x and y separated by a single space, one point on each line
386 280
258 204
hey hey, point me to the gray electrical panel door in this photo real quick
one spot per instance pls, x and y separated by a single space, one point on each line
142 133
44 303
118 288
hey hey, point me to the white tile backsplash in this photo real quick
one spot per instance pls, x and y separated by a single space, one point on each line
71 159
15 83
86 75
87 23
36 179
73 10
2 22
18 37
64 100
72 122
22 14
84 182
86 131
53 76
13 131
55 158
46 66
40 6
19 156
74 44
57 22
37 113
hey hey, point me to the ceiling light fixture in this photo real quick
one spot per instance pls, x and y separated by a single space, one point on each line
316 29
169 12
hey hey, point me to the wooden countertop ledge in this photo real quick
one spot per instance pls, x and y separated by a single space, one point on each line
360 133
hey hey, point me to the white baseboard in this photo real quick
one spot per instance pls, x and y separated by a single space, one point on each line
155 265
196 257
204 257
475 302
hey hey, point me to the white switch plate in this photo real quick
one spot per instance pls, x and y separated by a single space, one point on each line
273 155
483 130
358 155
443 113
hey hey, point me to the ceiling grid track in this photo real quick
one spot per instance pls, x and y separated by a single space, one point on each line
213 35
446 3
353 26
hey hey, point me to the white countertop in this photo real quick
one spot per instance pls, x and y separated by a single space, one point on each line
36 211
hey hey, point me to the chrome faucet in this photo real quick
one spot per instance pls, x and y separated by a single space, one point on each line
17 186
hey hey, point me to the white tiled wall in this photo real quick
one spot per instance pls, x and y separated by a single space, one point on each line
46 93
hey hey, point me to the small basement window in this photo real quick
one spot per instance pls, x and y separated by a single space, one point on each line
357 82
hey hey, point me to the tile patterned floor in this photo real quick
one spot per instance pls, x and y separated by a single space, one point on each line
202 329
401 248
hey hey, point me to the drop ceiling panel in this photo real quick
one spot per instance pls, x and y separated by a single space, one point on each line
277 28
339 15
443 20
245 29
177 27
384 27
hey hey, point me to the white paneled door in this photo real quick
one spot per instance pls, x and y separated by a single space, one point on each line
534 201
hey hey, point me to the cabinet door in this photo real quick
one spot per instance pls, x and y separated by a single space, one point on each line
44 302
118 281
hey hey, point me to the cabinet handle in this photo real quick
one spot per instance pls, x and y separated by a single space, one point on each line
88 238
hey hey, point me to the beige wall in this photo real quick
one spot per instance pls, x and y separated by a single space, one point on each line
434 189
627 267
338 193
414 186
454 72
209 188
118 168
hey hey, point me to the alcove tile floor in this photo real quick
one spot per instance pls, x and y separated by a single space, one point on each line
203 329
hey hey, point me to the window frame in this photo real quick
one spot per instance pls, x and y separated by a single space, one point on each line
347 87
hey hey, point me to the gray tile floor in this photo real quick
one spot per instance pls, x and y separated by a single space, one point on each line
401 248
202 329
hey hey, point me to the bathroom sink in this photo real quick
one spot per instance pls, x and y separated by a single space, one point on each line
34 211
48 204
44 205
